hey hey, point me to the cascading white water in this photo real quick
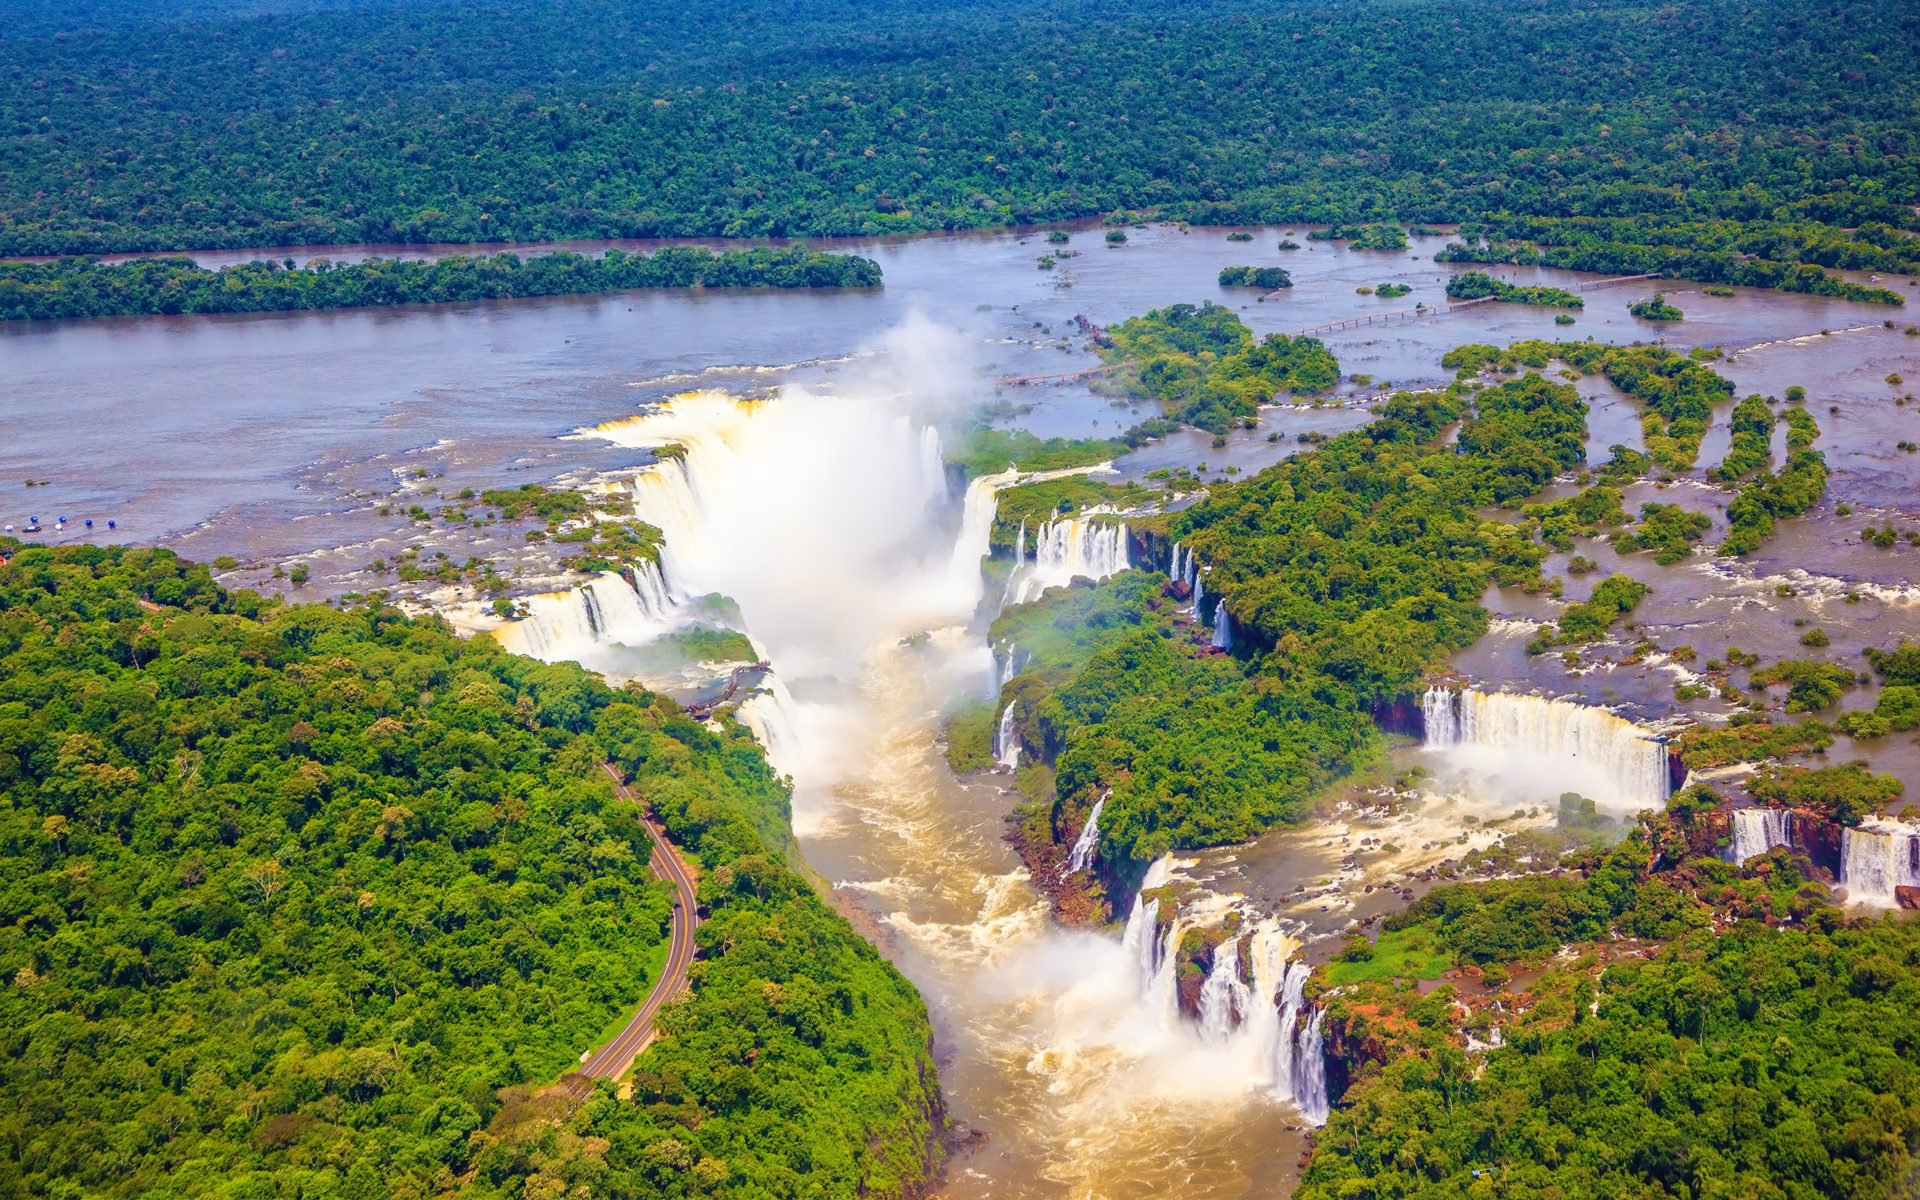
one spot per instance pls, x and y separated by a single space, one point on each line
1173 566
605 611
1537 744
1758 830
1199 591
1071 548
1310 1071
1224 1000
823 519
1089 839
1006 744
1222 627
1878 857
1242 1018
1293 993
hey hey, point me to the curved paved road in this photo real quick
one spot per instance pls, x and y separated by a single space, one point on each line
611 1060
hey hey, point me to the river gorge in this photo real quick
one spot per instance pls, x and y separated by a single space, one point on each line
810 505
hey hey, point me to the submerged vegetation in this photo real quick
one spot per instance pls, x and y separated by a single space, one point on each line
73 287
1655 308
1265 278
308 899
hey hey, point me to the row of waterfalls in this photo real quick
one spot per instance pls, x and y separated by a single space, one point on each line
614 608
1267 1021
1065 549
1875 858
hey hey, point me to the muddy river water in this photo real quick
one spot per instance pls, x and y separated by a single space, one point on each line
279 438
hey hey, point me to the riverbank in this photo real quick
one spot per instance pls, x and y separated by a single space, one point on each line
76 287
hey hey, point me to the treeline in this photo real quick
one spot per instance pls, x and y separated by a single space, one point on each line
1478 285
487 122
1205 368
77 287
1704 266
297 900
1874 246
1777 1058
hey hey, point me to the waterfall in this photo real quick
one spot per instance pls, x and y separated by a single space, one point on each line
1284 1040
771 715
1199 593
1138 944
1006 744
1163 986
1758 830
1070 548
933 467
1553 745
605 611
1173 568
1223 998
1089 839
1310 1072
1222 627
1020 545
1877 858
1293 987
976 529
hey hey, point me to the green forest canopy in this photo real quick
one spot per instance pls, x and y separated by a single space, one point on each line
75 287
315 902
488 121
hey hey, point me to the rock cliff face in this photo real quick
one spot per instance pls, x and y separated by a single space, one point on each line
1348 1049
1400 715
1817 838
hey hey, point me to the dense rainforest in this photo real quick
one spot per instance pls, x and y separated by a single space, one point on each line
305 902
74 287
1755 1044
220 124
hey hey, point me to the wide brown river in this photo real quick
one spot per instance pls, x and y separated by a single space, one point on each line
275 438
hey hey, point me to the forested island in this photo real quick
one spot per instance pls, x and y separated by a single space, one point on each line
77 287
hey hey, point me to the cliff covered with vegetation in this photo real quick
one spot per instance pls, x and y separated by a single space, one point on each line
298 899
1751 1041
